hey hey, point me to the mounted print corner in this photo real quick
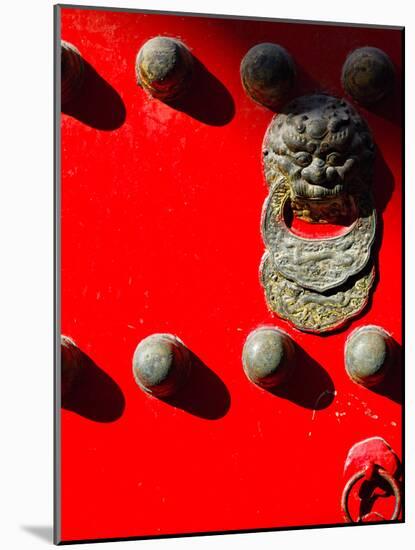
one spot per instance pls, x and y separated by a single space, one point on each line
229 274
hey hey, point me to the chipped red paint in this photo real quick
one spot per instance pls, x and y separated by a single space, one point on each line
160 215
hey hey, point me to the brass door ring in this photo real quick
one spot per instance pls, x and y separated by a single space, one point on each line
352 482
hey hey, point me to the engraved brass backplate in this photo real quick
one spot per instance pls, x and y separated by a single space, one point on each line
318 157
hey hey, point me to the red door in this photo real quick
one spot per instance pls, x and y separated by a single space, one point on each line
160 233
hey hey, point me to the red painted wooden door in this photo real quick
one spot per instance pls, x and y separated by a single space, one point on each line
160 232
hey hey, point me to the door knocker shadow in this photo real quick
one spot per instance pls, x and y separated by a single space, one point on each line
94 395
97 103
383 186
203 394
383 182
206 98
309 385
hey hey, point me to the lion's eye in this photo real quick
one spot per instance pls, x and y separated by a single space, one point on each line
334 159
303 159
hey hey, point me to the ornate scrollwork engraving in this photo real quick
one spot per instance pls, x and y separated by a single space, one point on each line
318 156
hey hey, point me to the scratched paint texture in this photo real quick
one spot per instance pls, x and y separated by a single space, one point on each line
160 224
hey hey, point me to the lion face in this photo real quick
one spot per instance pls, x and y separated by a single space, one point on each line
321 146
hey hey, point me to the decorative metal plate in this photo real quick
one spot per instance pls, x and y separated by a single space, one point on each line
311 311
317 264
318 158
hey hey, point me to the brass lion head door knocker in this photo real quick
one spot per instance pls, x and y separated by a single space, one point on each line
318 156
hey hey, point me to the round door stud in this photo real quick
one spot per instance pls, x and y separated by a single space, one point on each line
71 365
161 364
164 67
368 75
267 356
368 355
267 74
72 72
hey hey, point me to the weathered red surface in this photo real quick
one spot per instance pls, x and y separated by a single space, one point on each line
161 233
372 451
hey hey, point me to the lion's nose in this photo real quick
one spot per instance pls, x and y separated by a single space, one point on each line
315 172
